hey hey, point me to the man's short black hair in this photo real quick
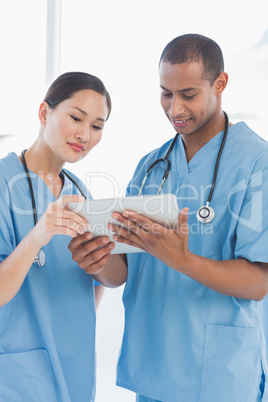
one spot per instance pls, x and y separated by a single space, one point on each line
193 48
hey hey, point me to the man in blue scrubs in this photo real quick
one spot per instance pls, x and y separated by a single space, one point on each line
193 331
192 301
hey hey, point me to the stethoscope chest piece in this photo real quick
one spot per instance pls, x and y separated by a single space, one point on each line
40 259
205 214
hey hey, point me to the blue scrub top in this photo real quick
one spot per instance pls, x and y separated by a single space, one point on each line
47 331
183 341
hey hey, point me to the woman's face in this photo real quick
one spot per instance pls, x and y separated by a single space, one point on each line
75 126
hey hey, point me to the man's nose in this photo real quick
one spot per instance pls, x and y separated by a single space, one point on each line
176 107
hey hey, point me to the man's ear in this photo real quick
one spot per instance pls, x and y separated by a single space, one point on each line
221 82
42 114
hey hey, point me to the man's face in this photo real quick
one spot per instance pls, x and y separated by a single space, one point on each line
189 101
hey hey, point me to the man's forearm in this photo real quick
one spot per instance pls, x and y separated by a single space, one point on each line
237 278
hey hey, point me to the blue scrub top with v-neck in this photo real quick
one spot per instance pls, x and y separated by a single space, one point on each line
183 341
47 331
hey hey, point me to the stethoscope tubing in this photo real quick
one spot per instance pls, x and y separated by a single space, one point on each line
30 185
218 158
205 213
40 258
166 171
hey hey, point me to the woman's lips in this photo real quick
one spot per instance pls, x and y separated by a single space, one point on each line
76 147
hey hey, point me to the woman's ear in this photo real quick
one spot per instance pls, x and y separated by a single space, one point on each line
42 114
221 82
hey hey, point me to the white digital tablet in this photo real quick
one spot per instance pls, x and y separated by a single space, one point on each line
162 208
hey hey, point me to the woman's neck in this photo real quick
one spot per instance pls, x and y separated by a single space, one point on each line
40 160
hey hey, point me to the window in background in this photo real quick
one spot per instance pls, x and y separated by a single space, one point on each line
22 71
248 84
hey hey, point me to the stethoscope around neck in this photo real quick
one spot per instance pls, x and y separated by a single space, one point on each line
40 258
205 214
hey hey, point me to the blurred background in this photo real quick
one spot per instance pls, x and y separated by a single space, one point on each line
121 42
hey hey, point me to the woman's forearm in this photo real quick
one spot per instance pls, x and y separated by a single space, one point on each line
15 267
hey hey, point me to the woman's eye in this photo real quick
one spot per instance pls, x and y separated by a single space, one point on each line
97 127
75 118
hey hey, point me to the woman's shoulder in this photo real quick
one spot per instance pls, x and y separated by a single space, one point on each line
10 166
9 160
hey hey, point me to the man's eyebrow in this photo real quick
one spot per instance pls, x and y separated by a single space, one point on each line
85 113
165 89
182 90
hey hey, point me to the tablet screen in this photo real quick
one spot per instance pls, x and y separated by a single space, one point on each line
161 208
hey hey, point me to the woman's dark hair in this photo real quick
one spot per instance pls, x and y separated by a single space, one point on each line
67 84
192 48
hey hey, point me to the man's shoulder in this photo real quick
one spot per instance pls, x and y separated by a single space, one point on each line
247 149
243 133
245 140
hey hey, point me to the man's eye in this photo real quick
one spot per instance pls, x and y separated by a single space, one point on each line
189 97
75 118
167 95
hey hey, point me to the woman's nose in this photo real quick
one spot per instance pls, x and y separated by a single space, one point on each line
83 135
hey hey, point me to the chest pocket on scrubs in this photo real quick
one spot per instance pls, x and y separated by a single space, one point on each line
27 376
232 369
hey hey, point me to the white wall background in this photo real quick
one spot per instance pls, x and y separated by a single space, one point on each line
121 42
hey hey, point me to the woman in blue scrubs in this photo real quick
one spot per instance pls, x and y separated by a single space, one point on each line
47 314
193 328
